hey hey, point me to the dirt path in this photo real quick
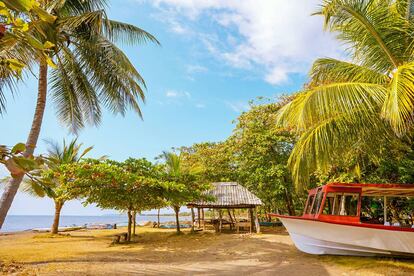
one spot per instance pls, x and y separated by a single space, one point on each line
161 252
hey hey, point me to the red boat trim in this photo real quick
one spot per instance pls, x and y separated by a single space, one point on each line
364 225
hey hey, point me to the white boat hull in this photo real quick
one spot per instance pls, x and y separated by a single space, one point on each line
316 237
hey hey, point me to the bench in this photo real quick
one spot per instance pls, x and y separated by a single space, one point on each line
243 224
119 237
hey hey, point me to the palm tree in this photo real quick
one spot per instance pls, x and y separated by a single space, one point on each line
175 171
361 101
88 71
173 164
45 183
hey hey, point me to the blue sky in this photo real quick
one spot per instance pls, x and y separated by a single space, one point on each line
215 56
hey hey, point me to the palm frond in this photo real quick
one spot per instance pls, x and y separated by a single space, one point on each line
405 8
91 22
76 7
172 162
329 70
113 74
127 33
398 107
323 102
371 29
332 137
66 101
33 188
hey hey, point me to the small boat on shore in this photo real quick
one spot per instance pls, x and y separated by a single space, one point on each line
61 229
355 219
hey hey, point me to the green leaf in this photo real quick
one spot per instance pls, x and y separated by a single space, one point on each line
44 15
48 45
18 148
19 5
26 164
34 41
50 62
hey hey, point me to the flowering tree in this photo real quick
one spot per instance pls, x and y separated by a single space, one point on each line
111 186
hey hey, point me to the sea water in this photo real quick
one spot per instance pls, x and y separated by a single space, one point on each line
20 223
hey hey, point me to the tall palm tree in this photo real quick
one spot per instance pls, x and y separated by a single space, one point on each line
173 162
45 183
367 98
88 71
175 171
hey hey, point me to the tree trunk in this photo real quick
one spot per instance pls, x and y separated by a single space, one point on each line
177 219
11 188
58 208
289 203
129 224
256 220
251 219
134 222
158 216
192 219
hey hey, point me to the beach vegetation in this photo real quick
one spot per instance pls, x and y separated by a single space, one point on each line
83 71
183 184
46 181
363 103
110 185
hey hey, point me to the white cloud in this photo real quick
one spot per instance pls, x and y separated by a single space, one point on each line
195 68
275 37
171 94
177 94
277 75
238 106
200 105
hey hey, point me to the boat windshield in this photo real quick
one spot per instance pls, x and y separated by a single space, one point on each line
341 204
317 203
309 205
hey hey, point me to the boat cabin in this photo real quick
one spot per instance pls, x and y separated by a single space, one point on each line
380 204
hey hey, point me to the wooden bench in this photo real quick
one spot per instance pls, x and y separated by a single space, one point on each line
243 224
118 238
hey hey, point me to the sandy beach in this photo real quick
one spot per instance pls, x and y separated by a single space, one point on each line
162 252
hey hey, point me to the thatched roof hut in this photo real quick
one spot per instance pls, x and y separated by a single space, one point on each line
228 195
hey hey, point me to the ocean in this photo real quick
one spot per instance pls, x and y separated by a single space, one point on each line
15 223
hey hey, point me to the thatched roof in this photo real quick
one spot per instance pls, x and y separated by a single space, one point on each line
228 195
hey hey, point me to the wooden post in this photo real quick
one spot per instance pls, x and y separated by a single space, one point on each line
220 220
204 221
251 219
231 219
198 218
256 221
192 219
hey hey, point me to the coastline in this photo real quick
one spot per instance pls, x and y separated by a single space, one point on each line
24 223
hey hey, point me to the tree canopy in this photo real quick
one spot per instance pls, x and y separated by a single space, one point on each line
362 101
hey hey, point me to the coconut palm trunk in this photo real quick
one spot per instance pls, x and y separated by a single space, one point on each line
177 218
13 185
58 208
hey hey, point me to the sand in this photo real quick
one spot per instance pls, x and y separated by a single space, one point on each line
162 252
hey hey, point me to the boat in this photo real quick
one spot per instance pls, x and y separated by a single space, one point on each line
355 219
